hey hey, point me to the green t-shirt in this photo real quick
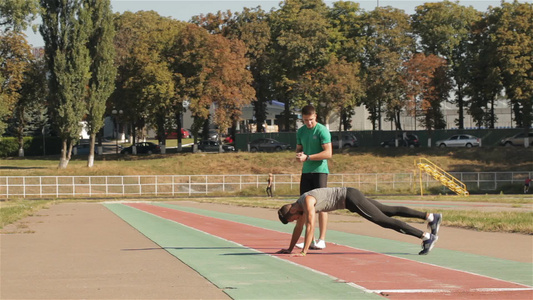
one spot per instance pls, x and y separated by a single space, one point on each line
312 141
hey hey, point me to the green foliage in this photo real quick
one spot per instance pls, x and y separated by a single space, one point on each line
66 32
17 15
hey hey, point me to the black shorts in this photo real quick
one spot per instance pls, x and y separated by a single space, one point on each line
311 181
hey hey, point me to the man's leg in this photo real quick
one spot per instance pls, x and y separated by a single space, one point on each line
322 182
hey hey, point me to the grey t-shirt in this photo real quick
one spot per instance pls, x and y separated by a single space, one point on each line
327 199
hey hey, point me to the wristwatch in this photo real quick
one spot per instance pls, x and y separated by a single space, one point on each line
308 158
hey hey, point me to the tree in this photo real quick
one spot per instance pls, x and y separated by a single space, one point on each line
103 71
335 88
427 89
513 37
444 30
228 83
65 32
388 45
485 83
31 105
145 87
251 26
301 35
15 58
17 15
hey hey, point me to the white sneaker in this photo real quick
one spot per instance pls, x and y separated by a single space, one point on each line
312 246
318 245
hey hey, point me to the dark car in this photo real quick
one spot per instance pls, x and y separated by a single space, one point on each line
269 145
348 140
83 149
213 146
410 140
142 148
518 139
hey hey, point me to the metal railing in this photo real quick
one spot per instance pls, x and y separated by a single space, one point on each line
194 185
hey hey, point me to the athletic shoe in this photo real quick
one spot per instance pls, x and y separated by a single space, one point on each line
435 224
319 245
315 245
428 244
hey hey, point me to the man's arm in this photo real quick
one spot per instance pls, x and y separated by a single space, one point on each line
326 153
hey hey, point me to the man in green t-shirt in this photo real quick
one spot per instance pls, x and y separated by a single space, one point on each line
313 148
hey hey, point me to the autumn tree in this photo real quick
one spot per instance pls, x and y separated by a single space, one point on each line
427 87
252 27
15 58
15 52
444 30
228 82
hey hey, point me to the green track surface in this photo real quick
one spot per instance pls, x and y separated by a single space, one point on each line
244 273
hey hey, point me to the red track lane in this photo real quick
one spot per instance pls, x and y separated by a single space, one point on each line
393 277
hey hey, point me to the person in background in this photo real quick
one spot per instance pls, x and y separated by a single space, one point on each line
269 185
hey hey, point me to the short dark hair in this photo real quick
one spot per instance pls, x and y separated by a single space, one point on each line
308 110
284 213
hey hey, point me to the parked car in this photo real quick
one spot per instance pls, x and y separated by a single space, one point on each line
213 146
518 139
348 140
269 145
83 149
410 140
142 148
460 140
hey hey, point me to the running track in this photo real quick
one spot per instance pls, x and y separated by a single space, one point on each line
354 273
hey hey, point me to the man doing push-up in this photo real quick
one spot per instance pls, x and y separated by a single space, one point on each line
305 209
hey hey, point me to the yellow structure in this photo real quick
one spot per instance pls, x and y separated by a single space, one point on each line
440 175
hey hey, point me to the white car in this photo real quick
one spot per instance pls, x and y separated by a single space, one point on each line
460 140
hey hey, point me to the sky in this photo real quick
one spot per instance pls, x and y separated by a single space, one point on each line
184 10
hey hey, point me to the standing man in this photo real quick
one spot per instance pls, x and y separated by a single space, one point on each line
313 149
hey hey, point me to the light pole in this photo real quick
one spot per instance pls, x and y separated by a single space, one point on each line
115 114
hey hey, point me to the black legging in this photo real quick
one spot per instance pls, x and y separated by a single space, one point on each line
381 214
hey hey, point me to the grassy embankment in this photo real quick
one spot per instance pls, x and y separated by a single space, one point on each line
354 161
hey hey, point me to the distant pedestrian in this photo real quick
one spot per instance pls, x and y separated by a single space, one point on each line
526 185
269 185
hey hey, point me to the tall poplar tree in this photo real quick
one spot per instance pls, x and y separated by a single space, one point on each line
65 32
103 70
